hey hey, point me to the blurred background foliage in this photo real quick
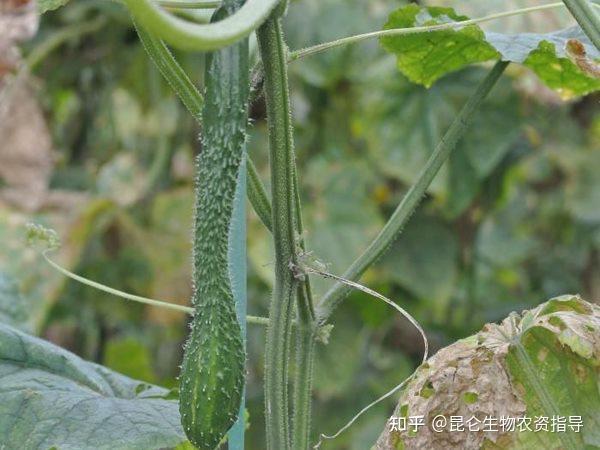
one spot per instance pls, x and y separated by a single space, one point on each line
101 150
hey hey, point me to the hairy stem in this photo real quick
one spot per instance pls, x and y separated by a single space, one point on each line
305 345
172 72
413 197
282 161
305 355
587 17
257 194
193 101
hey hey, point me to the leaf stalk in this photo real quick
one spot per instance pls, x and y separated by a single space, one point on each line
413 197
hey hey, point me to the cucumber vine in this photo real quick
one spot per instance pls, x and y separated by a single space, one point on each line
213 370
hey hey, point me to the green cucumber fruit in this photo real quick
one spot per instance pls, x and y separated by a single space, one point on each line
213 370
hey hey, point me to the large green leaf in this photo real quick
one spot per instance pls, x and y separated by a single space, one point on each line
425 57
50 398
12 308
542 363
401 123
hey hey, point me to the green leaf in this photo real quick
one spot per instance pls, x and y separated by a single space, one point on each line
12 307
463 183
400 148
560 74
50 5
52 398
425 57
343 216
424 261
541 363
130 357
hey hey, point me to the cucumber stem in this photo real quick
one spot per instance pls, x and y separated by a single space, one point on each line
587 18
413 197
285 292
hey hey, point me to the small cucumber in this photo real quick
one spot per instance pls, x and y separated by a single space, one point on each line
213 370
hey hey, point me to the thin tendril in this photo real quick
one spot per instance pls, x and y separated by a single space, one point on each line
413 30
360 413
360 287
132 297
109 290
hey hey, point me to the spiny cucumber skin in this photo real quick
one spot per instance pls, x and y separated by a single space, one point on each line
213 370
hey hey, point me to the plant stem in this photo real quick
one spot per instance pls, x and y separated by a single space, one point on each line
305 355
305 345
181 4
273 55
172 72
192 36
403 212
193 101
257 194
305 332
401 31
588 19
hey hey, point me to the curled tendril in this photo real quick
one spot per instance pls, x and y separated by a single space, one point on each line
40 236
192 36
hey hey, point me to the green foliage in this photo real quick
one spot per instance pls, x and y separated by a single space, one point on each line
130 357
515 211
399 149
425 57
554 71
12 306
424 261
65 402
554 364
50 5
343 215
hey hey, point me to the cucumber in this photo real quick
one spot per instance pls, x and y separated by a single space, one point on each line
213 369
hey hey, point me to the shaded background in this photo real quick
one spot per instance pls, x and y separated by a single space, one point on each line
94 144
